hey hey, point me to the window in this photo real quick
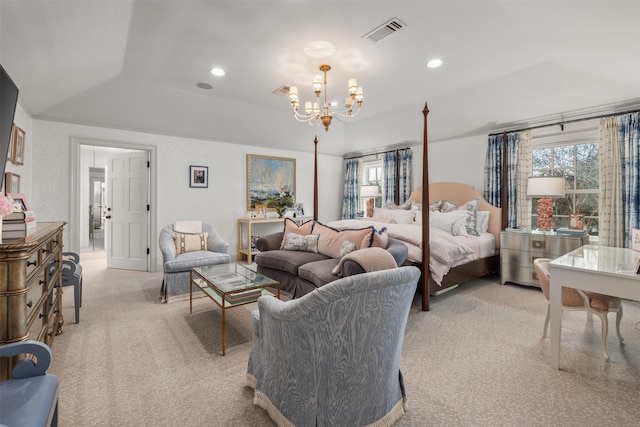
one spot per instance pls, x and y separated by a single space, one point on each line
578 163
371 175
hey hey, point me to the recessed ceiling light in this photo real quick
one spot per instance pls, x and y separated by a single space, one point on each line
218 72
434 63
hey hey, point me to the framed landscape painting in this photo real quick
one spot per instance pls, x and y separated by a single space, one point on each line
271 181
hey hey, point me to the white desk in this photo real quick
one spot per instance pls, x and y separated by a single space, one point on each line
593 268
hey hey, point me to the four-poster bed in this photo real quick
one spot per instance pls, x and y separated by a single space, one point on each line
484 261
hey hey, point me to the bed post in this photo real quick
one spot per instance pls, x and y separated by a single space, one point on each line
503 183
315 178
426 276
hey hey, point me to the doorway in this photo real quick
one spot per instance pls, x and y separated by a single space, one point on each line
97 208
89 228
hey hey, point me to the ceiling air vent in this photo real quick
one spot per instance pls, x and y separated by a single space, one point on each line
282 90
384 30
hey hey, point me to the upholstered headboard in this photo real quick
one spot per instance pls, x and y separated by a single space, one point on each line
459 194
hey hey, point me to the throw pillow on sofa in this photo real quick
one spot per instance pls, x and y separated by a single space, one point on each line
290 226
331 240
297 242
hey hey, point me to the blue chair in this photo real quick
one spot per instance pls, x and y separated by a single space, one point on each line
30 397
332 357
72 276
177 266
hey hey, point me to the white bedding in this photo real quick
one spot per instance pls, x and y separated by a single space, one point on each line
446 251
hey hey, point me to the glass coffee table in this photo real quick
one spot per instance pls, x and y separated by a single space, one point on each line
230 285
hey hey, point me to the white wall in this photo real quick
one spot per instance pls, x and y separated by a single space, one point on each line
221 204
23 121
460 160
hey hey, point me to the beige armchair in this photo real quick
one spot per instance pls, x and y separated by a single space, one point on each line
576 299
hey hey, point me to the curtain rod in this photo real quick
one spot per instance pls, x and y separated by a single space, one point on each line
562 123
373 153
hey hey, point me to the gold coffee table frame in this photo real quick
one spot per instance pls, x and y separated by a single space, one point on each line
230 285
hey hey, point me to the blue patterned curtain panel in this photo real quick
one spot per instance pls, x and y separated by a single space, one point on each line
351 188
493 173
629 135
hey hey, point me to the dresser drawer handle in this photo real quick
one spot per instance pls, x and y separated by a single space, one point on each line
30 304
41 315
30 263
42 282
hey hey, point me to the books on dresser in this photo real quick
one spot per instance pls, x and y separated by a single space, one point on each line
18 225
18 216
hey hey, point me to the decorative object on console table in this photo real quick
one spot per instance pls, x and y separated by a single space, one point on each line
576 221
545 188
371 192
198 176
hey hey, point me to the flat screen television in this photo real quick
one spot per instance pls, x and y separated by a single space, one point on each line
8 102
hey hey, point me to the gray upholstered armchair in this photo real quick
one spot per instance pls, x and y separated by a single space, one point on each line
175 283
332 357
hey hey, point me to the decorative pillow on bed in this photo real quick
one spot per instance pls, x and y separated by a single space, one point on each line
436 206
393 216
190 242
482 224
447 206
298 242
290 226
331 240
472 207
390 205
453 222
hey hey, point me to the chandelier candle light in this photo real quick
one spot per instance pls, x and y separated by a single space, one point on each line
314 113
546 188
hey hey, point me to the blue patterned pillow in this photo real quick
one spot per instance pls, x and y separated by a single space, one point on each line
472 220
298 242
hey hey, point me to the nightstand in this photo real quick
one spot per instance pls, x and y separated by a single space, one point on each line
518 250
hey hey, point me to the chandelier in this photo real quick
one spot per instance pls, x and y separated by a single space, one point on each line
314 114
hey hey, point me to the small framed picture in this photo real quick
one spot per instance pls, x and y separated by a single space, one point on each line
17 148
576 222
19 202
635 239
198 176
12 182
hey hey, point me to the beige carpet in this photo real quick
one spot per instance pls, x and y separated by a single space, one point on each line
476 359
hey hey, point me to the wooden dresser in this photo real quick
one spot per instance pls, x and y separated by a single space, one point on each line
31 294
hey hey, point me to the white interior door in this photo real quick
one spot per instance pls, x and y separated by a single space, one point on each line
127 216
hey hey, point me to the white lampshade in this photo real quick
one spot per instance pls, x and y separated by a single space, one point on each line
369 191
545 186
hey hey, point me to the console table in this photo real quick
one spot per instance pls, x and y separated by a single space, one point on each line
30 295
245 224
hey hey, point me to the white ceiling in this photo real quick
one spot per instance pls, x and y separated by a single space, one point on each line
135 64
